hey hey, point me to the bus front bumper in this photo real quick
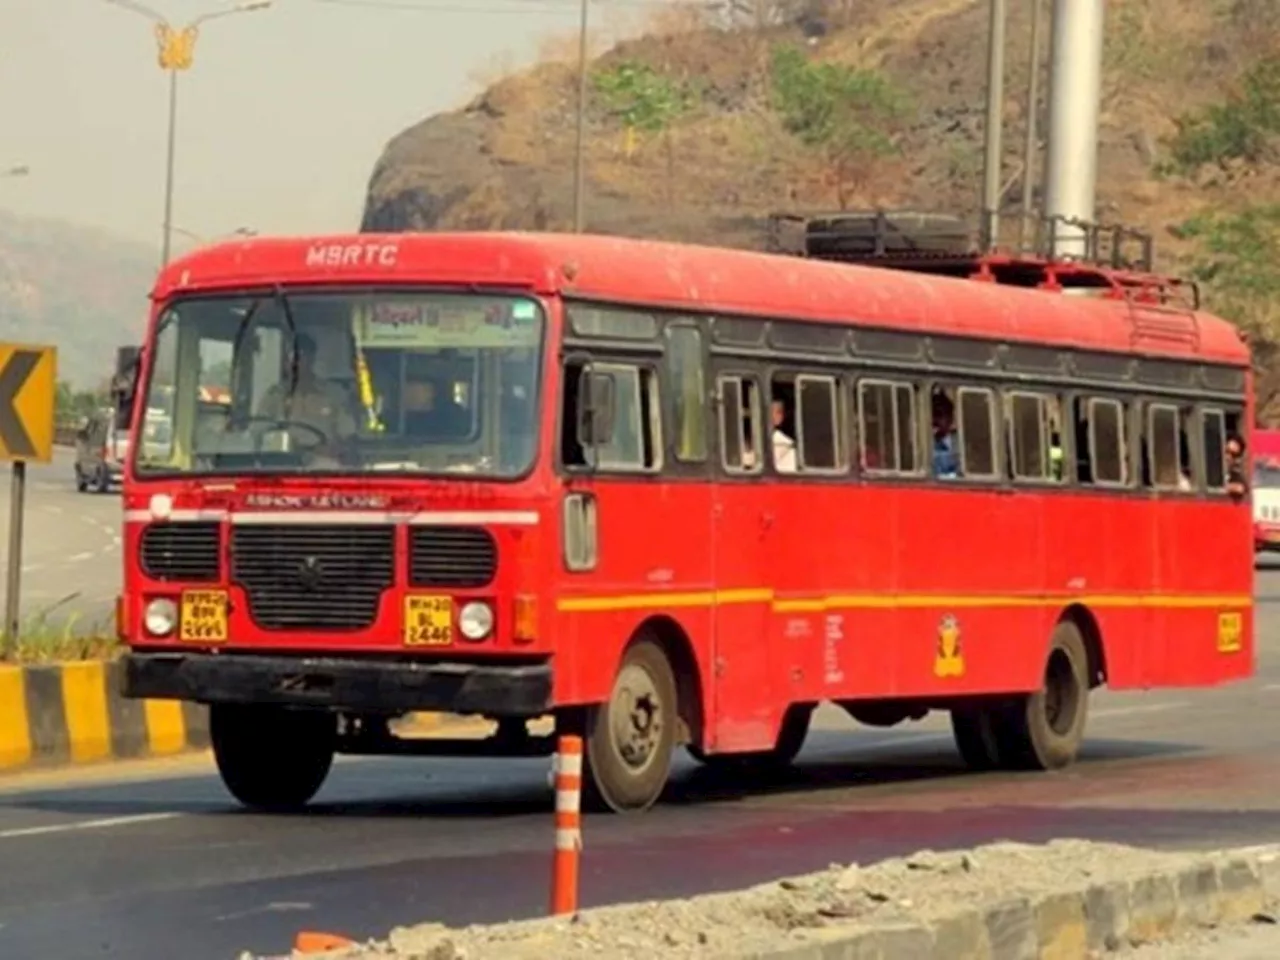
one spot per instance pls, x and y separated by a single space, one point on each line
343 684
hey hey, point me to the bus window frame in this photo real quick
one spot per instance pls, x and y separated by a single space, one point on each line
1127 447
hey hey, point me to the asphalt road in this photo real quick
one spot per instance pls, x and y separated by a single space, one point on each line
71 548
155 862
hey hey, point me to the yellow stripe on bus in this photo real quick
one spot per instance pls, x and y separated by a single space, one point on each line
659 600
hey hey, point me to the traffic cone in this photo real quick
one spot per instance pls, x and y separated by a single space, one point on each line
311 941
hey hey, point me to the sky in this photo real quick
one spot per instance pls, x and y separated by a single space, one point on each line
280 120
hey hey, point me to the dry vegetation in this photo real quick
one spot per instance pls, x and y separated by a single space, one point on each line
710 121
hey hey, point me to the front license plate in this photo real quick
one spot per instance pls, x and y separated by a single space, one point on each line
428 621
203 616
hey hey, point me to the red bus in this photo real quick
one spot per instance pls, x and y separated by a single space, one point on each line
672 495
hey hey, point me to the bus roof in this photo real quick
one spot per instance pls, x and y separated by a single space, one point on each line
712 280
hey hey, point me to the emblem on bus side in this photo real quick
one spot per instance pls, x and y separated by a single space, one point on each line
949 661
1230 632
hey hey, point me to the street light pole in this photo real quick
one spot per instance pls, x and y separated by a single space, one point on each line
167 239
580 159
176 55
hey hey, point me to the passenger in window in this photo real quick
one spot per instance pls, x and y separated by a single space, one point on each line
1057 461
784 447
1236 486
946 459
315 402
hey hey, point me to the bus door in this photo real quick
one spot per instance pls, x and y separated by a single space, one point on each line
741 711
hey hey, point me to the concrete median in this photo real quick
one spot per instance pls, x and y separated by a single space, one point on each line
72 713
1067 900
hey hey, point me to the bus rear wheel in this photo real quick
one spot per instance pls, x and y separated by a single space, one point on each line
977 732
630 738
272 758
1044 730
1035 731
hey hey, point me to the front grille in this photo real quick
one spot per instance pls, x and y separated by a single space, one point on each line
180 551
451 557
313 576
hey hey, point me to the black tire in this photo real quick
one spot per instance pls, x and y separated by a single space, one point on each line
627 774
977 735
1044 730
272 758
791 736
81 484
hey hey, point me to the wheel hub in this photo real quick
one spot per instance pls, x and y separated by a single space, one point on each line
636 718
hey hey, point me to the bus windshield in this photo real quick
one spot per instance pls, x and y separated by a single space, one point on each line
344 382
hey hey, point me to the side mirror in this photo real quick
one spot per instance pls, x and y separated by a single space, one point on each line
124 385
597 398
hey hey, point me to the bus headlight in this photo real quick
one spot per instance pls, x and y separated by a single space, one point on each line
476 620
160 617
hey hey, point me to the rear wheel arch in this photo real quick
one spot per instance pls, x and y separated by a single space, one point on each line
1091 633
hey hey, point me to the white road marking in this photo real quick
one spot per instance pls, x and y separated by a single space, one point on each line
76 558
285 907
32 567
86 825
1271 687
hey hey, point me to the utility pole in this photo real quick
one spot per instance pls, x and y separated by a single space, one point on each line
580 158
995 124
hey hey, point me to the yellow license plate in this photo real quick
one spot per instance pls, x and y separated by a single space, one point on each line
203 616
428 621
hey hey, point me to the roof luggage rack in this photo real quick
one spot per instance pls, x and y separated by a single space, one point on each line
1113 259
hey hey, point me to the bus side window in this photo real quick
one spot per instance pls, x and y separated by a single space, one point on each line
1214 431
636 441
1108 461
740 433
818 419
1035 437
1163 443
1027 441
887 427
688 392
977 433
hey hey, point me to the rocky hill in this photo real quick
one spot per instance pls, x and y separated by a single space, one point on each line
702 127
79 289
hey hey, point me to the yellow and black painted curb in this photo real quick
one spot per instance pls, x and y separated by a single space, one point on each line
70 713
67 713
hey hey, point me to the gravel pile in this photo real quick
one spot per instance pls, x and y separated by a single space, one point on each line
783 913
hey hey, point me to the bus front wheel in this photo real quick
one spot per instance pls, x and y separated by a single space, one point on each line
272 758
631 737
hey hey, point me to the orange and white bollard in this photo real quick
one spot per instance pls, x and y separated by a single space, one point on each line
568 784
